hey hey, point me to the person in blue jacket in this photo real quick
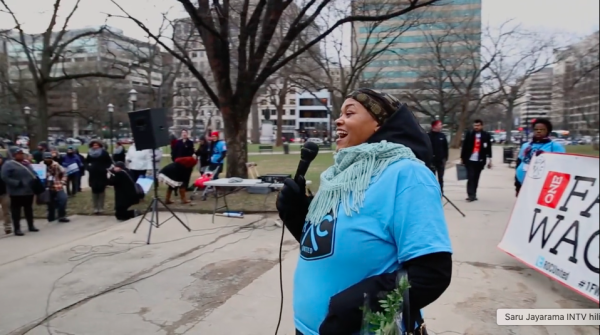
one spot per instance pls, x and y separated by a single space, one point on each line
538 144
378 213
73 175
218 149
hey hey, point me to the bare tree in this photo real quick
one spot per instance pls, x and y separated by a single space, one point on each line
46 55
340 70
522 54
455 79
246 30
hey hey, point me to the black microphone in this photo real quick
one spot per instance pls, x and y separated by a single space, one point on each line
307 154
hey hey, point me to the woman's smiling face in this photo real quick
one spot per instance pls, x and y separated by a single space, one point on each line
355 125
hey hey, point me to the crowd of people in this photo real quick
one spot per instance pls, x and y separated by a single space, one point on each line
20 184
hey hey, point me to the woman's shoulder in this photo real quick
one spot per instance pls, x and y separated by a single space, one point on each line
407 173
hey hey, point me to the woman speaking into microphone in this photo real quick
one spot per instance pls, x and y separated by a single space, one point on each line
378 210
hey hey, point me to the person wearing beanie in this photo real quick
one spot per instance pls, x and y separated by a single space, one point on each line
73 167
126 194
538 144
38 155
56 178
5 203
97 163
19 178
378 199
218 152
439 145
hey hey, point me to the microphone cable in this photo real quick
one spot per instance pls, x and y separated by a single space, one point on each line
280 277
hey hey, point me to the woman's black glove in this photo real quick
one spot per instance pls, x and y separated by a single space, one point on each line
292 204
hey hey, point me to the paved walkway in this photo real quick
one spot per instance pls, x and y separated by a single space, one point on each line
222 280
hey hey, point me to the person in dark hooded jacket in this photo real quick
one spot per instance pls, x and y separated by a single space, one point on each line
378 199
38 155
125 192
97 164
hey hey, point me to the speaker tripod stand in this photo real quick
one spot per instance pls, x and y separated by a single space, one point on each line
152 208
453 205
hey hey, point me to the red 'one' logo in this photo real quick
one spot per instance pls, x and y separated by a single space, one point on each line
553 189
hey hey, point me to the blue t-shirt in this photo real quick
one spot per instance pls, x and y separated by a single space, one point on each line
402 218
526 157
217 152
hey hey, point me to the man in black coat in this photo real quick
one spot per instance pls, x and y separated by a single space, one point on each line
439 144
476 151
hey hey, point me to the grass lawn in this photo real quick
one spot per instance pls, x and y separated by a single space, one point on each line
241 200
582 150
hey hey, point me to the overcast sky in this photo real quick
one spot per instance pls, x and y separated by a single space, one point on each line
575 17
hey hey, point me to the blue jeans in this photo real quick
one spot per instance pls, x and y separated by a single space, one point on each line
58 202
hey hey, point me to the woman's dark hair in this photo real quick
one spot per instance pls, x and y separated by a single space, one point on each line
543 121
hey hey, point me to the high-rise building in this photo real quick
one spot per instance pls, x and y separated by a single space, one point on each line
576 90
409 48
106 52
535 99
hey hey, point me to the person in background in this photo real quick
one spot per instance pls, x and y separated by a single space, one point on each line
81 171
475 152
38 155
18 176
183 148
5 203
218 151
203 154
538 144
56 156
439 145
138 161
177 175
173 144
56 178
73 167
97 164
377 214
119 152
125 191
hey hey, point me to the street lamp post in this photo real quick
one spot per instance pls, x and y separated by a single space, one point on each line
111 110
27 112
133 98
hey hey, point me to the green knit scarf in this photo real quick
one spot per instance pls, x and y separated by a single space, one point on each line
347 180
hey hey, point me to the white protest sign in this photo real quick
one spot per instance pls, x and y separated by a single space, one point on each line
40 170
554 226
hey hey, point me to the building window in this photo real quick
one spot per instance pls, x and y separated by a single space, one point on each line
264 102
313 114
313 102
273 112
292 102
292 112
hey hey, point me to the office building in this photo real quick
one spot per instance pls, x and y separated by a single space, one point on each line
108 52
313 114
535 99
409 54
576 91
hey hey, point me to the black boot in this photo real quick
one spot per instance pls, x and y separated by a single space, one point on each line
32 228
17 229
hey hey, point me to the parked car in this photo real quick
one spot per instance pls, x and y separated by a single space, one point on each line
561 141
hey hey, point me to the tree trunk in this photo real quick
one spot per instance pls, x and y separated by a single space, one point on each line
40 127
255 133
509 121
236 134
462 125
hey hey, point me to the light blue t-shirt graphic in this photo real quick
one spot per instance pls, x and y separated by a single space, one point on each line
402 218
217 153
527 157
